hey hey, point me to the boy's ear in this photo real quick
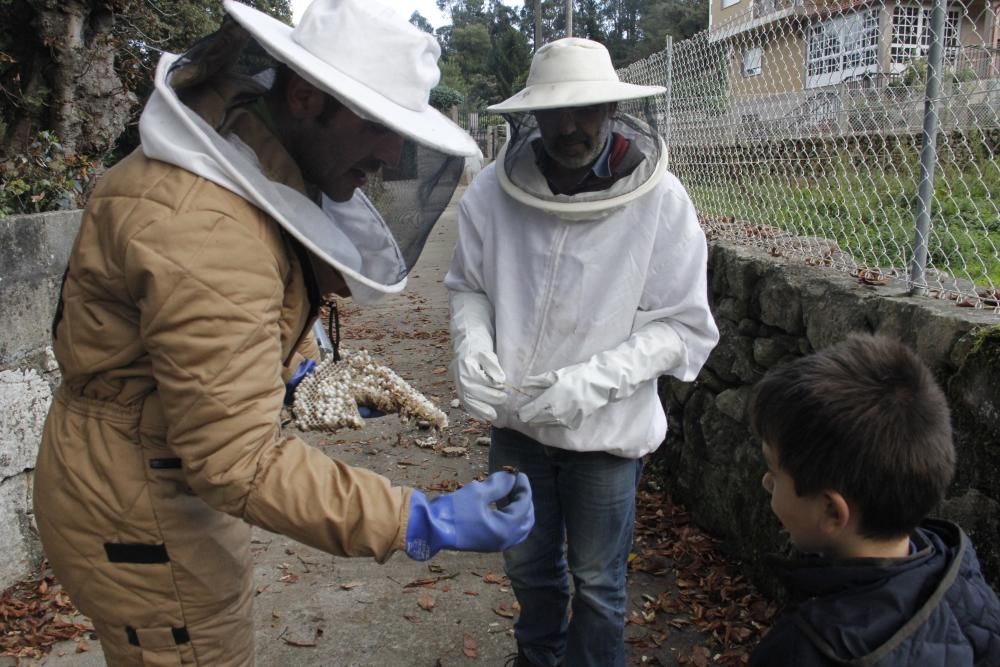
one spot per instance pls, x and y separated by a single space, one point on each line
836 512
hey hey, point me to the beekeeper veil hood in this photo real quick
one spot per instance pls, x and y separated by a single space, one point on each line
574 76
374 63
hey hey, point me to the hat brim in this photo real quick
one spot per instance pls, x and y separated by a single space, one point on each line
573 94
428 127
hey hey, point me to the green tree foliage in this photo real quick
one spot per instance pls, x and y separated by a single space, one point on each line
487 48
509 61
444 98
631 29
485 52
553 21
417 19
681 19
74 74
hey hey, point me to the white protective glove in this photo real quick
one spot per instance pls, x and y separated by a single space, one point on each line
573 393
479 378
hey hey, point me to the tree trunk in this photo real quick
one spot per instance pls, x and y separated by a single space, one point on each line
88 106
569 18
538 25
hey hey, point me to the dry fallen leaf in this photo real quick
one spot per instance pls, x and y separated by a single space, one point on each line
349 585
37 613
426 601
297 642
707 595
503 610
470 646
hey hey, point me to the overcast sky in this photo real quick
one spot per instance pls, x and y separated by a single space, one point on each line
405 7
428 8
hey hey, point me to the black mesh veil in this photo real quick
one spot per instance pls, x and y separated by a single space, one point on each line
412 196
521 173
404 200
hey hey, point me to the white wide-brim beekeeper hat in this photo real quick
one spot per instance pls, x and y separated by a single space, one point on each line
363 54
572 72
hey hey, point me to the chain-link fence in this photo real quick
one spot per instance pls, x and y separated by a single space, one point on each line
488 129
813 129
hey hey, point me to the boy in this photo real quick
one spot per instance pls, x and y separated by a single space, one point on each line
858 445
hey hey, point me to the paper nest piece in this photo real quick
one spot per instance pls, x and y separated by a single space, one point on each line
328 398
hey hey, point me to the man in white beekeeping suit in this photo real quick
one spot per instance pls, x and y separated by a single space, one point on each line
579 277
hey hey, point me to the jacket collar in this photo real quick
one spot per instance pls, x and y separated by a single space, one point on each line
900 594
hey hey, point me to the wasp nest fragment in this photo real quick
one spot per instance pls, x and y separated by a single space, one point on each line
328 398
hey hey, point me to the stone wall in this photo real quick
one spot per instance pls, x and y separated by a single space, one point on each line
771 310
33 253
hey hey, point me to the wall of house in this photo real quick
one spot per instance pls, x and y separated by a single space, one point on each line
977 23
33 254
782 65
722 15
770 310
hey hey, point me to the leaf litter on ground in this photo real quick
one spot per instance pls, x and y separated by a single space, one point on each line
707 592
36 614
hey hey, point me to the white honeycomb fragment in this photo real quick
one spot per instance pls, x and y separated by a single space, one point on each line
328 398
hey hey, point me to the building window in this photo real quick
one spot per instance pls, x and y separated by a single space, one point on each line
842 48
911 35
729 3
752 61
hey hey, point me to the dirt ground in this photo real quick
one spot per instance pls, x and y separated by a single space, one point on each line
313 609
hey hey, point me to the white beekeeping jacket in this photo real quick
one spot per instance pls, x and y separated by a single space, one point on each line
567 286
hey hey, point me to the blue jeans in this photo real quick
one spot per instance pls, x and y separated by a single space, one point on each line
584 514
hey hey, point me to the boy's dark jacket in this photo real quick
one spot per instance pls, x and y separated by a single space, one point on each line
932 609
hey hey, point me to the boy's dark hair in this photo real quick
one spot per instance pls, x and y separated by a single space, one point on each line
864 418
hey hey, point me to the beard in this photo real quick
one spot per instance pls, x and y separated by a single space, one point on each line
576 150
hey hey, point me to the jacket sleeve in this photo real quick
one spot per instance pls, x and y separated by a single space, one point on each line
783 646
978 611
210 294
465 274
676 288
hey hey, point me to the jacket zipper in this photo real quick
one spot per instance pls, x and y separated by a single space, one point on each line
312 292
552 270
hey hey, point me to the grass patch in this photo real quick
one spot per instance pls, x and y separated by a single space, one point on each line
868 204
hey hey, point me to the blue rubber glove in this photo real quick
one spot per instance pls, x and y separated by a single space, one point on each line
471 518
305 368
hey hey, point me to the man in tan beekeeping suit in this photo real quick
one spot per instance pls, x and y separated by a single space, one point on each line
196 275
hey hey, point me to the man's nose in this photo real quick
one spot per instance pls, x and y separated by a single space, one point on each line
389 150
566 122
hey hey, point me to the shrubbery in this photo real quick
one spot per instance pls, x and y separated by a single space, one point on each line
44 178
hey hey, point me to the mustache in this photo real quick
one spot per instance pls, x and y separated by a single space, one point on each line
573 139
369 166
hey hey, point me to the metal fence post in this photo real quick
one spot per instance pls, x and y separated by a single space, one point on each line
668 84
928 152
